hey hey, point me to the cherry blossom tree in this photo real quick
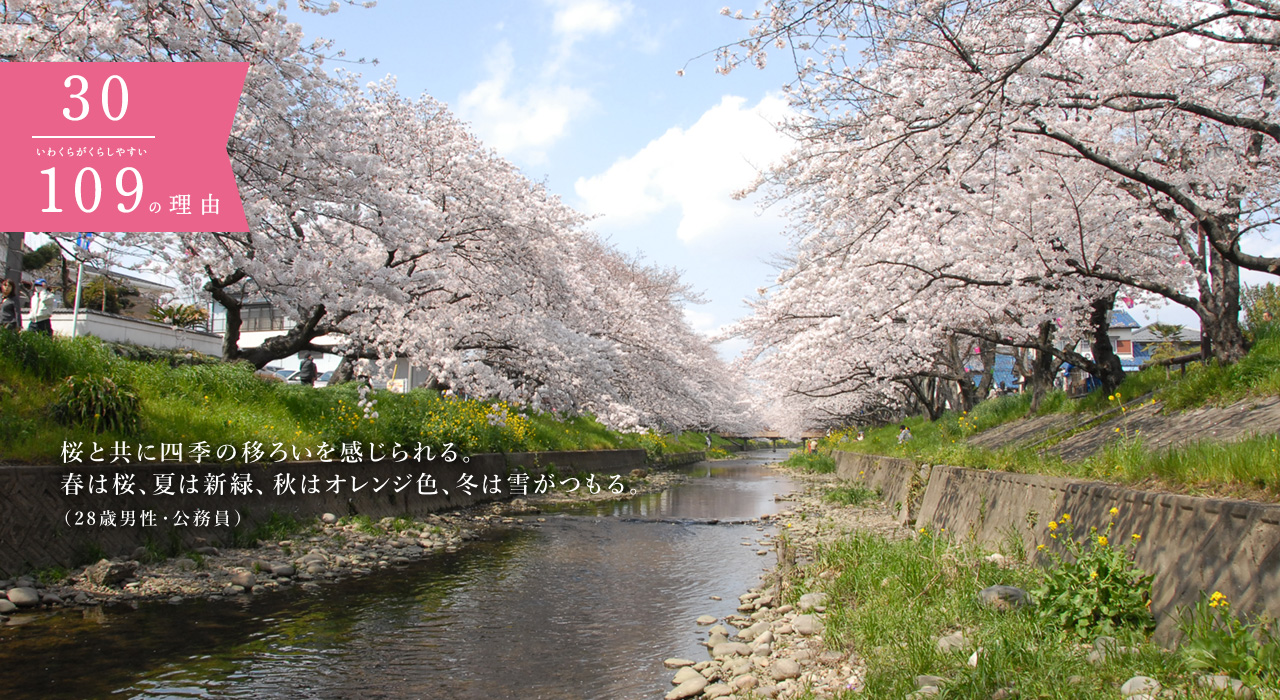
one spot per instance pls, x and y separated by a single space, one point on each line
1169 105
382 221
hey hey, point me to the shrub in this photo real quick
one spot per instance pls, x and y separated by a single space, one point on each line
1095 589
98 403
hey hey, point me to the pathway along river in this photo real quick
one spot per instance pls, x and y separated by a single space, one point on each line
586 605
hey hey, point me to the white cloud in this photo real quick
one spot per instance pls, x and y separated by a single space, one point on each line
520 122
575 19
697 170
701 321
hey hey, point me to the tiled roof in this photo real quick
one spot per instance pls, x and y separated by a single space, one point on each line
1122 319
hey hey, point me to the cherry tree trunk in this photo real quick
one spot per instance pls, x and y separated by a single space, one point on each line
1106 364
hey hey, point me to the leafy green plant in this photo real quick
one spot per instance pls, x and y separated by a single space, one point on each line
99 403
817 462
1095 589
276 527
51 575
1216 641
653 445
855 495
180 315
363 524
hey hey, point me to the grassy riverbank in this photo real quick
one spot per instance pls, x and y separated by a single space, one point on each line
172 400
899 605
1248 468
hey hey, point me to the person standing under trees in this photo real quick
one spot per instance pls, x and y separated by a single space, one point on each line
905 435
307 371
10 313
41 310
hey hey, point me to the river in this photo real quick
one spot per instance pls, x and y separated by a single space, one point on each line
584 605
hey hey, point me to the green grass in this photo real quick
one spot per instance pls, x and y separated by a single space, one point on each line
226 404
817 462
891 601
1247 469
855 495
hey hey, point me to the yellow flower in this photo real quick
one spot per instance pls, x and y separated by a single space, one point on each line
1136 537
1102 541
1066 517
1053 525
1040 548
1114 511
1093 574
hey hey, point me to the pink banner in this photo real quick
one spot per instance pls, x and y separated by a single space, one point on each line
119 147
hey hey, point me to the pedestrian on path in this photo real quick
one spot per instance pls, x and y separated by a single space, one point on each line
10 312
307 371
42 302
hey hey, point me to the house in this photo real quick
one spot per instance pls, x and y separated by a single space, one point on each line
1121 333
1147 340
1132 343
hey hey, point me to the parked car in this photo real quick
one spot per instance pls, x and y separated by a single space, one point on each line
323 379
287 375
271 373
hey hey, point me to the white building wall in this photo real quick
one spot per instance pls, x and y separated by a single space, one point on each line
121 329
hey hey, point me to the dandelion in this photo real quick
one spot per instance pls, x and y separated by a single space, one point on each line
1066 517
1114 511
1137 537
1102 540
1053 525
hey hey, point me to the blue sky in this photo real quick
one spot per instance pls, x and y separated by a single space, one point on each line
584 96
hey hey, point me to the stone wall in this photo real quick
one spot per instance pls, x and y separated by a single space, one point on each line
1191 544
39 512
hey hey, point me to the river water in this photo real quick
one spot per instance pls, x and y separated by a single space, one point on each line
585 605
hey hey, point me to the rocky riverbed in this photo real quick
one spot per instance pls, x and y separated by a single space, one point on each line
325 550
769 648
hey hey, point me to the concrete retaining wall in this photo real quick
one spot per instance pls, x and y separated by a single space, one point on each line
1191 544
900 482
39 511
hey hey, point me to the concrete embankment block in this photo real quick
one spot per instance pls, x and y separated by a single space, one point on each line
1191 544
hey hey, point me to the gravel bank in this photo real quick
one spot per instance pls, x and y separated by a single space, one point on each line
772 649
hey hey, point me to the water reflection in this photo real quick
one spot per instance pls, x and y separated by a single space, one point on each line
584 605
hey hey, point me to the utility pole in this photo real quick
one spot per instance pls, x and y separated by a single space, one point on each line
13 259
